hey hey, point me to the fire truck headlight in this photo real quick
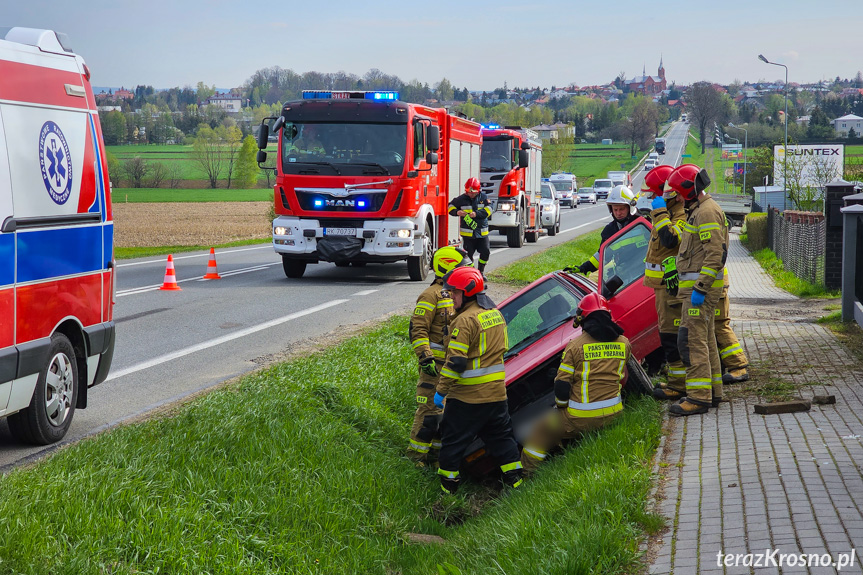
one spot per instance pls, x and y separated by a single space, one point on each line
401 233
280 231
505 206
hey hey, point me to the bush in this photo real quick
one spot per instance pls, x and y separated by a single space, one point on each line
755 230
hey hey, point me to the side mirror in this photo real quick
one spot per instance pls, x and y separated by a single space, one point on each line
431 158
523 159
262 156
263 136
612 285
525 145
433 139
278 124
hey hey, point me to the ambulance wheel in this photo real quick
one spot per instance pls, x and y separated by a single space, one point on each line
293 268
419 266
637 382
52 406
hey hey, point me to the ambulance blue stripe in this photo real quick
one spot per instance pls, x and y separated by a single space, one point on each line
108 243
50 253
7 259
99 201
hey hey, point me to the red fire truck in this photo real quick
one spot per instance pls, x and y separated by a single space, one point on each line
511 172
362 177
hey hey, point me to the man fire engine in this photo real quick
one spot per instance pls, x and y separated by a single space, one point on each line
364 178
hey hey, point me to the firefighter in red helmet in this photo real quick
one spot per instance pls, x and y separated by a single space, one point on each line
472 382
473 209
587 386
700 266
668 217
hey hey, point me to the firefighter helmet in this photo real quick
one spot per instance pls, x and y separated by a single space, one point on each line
654 181
590 303
688 181
466 279
472 185
621 195
448 258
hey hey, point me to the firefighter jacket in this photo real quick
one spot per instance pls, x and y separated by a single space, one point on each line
428 325
472 227
664 241
592 264
590 376
703 246
473 371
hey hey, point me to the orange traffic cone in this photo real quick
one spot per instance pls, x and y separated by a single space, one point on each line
212 270
170 282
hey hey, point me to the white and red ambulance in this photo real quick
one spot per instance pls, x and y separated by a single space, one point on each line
56 237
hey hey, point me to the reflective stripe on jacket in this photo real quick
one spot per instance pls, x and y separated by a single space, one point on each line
429 321
703 247
667 226
595 372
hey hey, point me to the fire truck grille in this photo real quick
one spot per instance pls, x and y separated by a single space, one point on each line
317 201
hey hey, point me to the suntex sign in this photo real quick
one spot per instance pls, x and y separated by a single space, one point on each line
811 165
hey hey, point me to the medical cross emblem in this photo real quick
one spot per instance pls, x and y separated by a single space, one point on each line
55 162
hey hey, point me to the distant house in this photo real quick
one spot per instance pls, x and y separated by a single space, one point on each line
546 132
648 85
123 94
231 103
846 123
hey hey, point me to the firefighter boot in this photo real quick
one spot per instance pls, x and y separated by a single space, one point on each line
738 375
687 406
449 485
663 392
513 478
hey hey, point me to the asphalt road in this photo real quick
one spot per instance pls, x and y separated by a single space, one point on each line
173 344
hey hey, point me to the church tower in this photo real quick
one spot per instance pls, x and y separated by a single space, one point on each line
661 69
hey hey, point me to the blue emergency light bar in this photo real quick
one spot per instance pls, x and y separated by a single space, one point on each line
491 126
349 95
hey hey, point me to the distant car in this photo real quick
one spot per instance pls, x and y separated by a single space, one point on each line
549 207
602 187
564 187
586 196
649 164
539 325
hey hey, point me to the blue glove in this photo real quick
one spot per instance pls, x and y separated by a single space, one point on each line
697 298
658 203
438 400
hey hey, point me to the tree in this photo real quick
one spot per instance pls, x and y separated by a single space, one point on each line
204 92
807 175
135 170
704 108
246 173
640 126
113 127
555 158
158 173
207 152
444 90
852 134
232 138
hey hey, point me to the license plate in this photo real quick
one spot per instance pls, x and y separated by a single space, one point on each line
340 232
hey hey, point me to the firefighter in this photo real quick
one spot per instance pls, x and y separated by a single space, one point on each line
588 382
428 329
472 382
621 206
668 217
700 267
474 209
731 353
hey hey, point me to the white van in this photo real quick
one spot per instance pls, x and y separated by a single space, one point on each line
56 237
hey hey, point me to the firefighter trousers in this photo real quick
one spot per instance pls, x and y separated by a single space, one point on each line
425 433
696 340
731 353
668 312
481 245
554 428
463 422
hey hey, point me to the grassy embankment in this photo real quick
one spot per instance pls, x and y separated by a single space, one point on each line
786 280
299 469
591 161
146 252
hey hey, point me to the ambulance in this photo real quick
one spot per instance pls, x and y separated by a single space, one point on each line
56 237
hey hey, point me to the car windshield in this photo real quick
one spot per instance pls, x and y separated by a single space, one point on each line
624 256
538 311
585 191
546 191
602 184
562 186
343 148
496 155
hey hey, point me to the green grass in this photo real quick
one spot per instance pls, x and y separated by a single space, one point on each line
570 253
146 195
145 252
299 469
591 161
787 280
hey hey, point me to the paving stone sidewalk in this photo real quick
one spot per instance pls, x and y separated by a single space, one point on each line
739 483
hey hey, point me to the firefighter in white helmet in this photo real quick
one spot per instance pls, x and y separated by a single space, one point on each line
621 206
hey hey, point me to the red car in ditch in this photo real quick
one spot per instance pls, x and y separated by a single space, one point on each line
539 323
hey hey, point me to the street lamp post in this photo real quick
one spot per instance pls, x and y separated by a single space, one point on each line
745 145
734 173
785 149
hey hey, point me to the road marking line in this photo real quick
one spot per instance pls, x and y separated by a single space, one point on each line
161 261
581 226
220 340
365 292
144 289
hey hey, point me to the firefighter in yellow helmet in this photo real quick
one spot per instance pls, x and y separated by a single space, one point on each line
668 217
588 382
428 332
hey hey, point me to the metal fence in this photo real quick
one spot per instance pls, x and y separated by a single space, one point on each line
799 240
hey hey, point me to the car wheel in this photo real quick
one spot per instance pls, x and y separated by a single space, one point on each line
293 268
637 382
52 406
419 266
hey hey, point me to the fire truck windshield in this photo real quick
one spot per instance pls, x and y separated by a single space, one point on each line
496 155
343 148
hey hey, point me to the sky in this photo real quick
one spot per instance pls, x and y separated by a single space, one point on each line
478 44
